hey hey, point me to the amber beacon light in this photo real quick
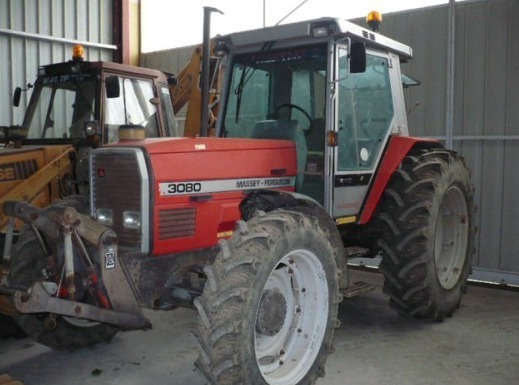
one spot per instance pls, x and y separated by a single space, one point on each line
78 52
374 19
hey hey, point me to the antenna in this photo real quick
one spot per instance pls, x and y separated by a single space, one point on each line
292 11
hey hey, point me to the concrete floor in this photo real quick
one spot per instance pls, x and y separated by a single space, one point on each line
374 346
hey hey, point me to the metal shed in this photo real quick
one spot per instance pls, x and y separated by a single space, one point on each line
466 55
34 33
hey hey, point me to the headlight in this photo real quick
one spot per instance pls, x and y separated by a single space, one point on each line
92 128
105 216
132 219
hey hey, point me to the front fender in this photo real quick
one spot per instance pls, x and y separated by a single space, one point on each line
270 200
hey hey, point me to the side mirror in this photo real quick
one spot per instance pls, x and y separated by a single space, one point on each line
113 90
357 58
17 96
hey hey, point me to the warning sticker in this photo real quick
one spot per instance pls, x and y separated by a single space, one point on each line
109 260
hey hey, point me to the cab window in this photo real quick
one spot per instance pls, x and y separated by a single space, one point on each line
133 106
365 112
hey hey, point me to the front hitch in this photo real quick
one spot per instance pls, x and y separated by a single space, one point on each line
63 224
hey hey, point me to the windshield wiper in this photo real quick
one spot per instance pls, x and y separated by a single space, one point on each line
238 91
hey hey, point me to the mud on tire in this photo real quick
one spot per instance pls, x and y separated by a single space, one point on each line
269 308
427 220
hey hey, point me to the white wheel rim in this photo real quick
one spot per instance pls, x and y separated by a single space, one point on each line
286 357
451 238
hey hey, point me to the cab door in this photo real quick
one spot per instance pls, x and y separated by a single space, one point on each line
364 115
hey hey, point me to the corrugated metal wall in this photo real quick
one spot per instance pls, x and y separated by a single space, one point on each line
170 60
487 121
485 109
38 32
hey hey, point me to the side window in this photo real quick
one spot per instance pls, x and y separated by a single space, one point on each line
61 106
133 106
172 127
365 112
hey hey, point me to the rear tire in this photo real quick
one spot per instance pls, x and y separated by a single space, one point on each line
269 308
427 218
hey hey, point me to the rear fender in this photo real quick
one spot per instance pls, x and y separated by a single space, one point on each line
397 150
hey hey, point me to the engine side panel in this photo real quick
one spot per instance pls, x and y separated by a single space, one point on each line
196 194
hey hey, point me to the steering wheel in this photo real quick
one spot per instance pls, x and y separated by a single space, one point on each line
291 106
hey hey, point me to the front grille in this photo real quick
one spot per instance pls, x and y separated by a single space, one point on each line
117 185
177 223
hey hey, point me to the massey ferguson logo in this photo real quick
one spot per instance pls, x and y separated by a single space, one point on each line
222 185
18 170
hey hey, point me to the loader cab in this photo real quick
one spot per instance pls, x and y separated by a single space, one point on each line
338 106
75 102
79 101
83 104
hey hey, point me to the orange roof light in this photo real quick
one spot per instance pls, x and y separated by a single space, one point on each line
374 19
78 52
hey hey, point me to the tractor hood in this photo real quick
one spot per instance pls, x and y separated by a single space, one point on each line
185 191
205 144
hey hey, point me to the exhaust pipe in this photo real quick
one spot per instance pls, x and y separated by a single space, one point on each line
206 58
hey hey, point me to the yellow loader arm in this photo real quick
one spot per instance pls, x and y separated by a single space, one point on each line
41 187
187 91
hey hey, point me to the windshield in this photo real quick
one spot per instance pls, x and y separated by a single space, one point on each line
61 105
286 86
282 95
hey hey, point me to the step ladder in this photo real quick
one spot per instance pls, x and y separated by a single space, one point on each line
356 288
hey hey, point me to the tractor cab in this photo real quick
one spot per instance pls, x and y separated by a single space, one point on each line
330 86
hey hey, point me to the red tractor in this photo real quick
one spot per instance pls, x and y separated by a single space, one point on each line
313 165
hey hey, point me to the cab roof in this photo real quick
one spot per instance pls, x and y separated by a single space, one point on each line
74 66
317 28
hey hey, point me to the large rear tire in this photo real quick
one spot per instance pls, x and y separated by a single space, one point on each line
427 217
269 308
54 331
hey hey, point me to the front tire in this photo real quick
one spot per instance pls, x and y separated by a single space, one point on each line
269 308
427 217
